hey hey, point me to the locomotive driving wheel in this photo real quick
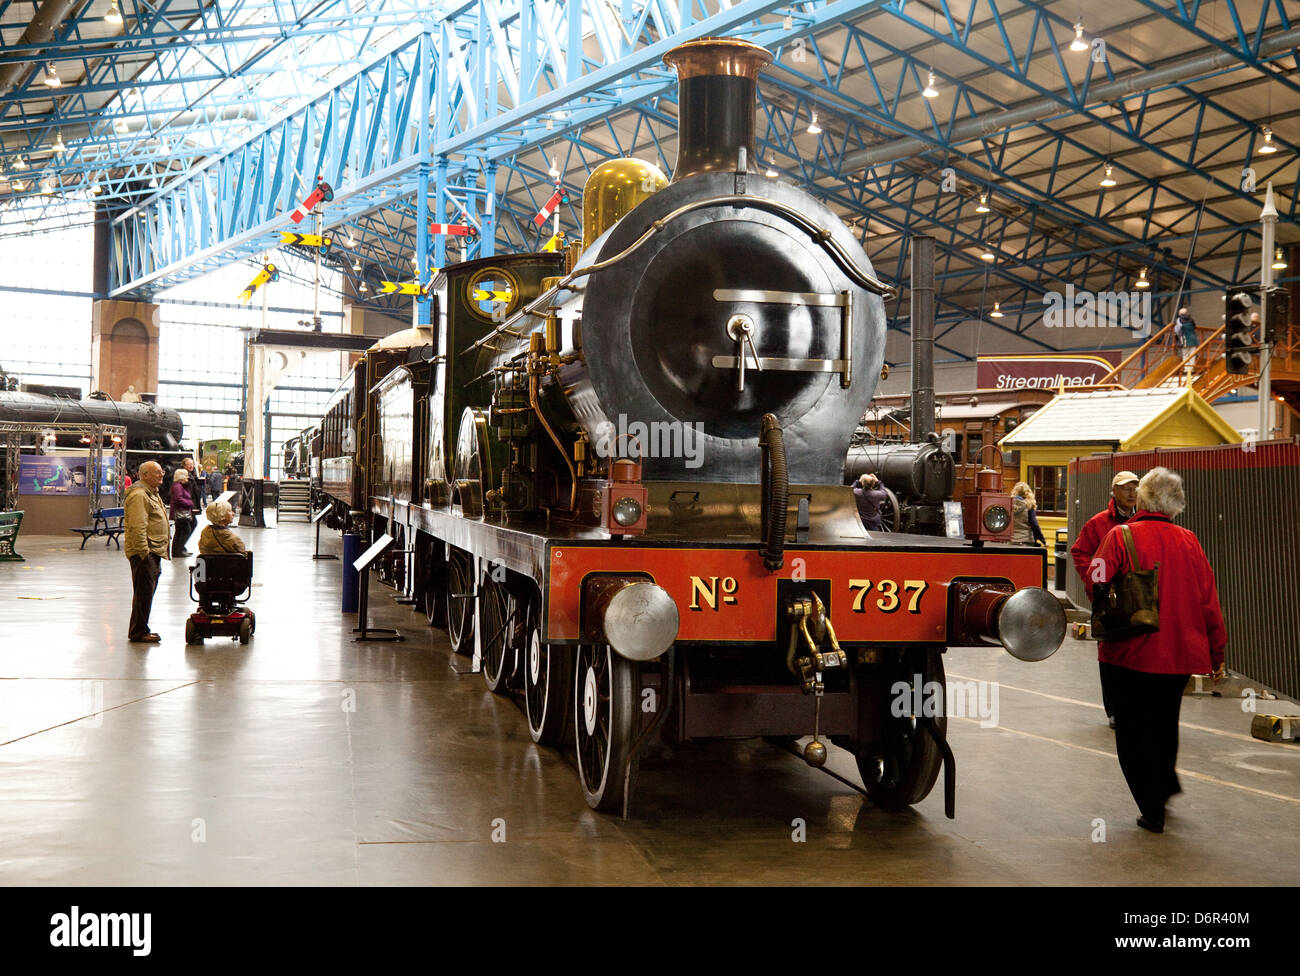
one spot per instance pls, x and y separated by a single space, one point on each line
900 767
460 602
496 624
547 673
604 720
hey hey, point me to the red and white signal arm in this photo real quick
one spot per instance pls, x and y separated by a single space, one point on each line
323 192
550 206
452 230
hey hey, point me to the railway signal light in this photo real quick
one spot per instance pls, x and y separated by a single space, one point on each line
1278 317
1238 344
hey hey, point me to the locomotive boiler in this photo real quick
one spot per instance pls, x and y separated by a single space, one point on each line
618 471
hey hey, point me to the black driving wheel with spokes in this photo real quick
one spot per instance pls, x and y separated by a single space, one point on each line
496 624
900 767
604 719
547 674
460 602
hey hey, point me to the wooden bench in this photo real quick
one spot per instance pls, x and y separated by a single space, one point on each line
109 522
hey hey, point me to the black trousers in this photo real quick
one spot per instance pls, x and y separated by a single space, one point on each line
184 527
145 571
1146 733
1105 694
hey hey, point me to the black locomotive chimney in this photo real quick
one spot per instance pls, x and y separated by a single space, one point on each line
922 338
717 84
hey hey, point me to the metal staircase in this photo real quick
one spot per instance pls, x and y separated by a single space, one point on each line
295 501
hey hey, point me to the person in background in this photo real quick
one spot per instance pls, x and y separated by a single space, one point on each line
1146 674
146 547
217 538
1122 505
236 484
1024 520
182 511
871 498
197 485
128 480
216 482
1185 327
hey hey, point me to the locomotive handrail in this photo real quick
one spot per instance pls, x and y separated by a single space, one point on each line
819 235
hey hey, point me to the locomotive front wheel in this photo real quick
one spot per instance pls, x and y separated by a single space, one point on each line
547 673
604 720
434 586
901 767
497 628
460 603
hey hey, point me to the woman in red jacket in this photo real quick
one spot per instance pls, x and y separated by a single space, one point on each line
1145 675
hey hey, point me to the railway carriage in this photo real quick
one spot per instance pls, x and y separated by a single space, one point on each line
616 475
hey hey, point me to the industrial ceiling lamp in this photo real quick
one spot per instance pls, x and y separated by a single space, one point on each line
120 126
352 241
114 16
1279 262
771 172
363 288
59 147
52 78
20 162
1078 44
1142 280
153 182
997 311
813 128
47 185
983 204
1108 179
988 254
929 91
1268 146
18 185
356 265
95 189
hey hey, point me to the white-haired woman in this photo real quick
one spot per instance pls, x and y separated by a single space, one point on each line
182 501
1145 675
217 537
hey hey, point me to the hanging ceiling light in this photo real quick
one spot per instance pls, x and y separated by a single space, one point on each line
1108 179
929 91
94 189
120 126
1142 280
47 185
20 162
352 241
554 171
114 16
988 254
1078 44
363 288
18 186
356 265
771 172
813 128
984 204
59 147
1279 262
1268 146
52 78
997 311
153 182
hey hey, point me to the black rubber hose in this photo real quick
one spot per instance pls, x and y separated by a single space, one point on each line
775 490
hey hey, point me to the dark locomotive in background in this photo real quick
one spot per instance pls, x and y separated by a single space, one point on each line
618 473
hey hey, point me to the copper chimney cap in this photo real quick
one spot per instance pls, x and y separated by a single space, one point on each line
718 56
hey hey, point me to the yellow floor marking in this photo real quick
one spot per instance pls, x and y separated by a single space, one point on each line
1185 725
1179 770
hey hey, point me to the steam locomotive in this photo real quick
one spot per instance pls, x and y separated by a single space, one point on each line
149 428
615 475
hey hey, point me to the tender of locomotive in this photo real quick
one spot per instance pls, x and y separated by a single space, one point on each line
619 474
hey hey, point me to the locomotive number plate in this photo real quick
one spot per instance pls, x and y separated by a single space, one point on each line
726 595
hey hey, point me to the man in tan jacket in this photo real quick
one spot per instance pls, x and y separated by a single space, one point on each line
146 547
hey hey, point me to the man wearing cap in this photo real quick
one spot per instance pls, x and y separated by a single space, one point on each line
1123 503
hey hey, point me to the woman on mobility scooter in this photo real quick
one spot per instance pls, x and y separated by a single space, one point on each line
222 575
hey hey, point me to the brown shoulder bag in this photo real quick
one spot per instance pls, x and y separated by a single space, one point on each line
1129 605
